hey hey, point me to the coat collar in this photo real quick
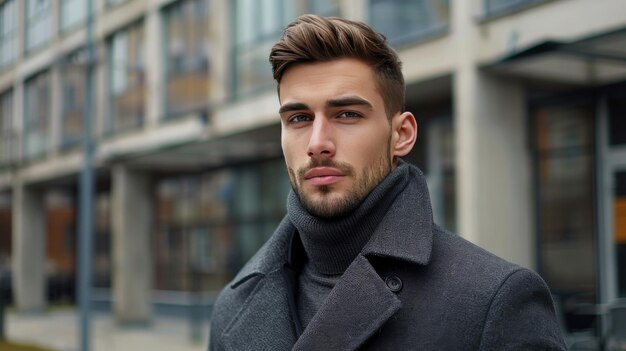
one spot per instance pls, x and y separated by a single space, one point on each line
359 304
405 233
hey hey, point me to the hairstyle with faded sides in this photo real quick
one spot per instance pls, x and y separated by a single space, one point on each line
312 38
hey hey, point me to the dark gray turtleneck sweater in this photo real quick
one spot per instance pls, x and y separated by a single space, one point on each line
331 245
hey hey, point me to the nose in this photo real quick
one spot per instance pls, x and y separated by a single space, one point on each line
321 142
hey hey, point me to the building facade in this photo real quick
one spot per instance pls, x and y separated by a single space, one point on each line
521 106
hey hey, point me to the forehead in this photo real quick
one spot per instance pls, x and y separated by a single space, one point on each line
346 76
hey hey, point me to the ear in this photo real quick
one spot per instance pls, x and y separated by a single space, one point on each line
404 134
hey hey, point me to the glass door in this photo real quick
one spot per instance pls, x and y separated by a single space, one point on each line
612 195
619 227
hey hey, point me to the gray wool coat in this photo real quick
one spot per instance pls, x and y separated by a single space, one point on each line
413 287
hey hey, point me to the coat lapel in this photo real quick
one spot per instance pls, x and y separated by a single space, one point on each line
357 306
265 317
264 320
361 303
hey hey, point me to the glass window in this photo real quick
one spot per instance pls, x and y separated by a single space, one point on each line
126 79
72 13
6 217
7 133
434 153
60 243
211 224
115 2
73 101
102 241
37 115
619 230
567 237
186 64
38 23
8 32
617 120
402 21
258 24
498 7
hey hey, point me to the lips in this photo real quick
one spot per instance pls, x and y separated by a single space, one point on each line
323 175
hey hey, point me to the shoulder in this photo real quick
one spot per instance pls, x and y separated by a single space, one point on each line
511 297
454 253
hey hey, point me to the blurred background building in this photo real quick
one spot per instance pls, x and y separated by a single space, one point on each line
521 107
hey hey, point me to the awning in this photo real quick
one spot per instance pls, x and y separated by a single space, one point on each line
596 60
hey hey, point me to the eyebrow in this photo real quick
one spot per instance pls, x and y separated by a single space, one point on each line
294 106
349 101
339 102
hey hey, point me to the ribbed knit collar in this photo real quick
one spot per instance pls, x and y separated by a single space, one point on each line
331 245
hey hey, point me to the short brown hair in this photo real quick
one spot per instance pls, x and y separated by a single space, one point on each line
312 38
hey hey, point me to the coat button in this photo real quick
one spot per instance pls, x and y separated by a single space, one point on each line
394 283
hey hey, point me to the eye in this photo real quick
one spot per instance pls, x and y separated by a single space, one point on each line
298 118
349 114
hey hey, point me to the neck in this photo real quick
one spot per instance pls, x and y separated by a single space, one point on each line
332 244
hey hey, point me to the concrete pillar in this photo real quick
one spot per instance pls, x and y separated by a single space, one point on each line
29 252
154 68
219 58
493 159
132 261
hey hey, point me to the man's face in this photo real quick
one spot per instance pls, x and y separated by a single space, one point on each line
336 136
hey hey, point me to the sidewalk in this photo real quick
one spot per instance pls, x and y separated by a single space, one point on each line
59 330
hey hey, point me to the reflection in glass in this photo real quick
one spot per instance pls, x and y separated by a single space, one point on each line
567 235
186 64
619 229
126 79
102 241
8 32
38 23
72 13
37 115
402 21
211 224
7 133
258 25
6 217
495 7
73 102
617 120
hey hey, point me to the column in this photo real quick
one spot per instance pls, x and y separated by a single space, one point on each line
493 160
132 262
154 69
28 249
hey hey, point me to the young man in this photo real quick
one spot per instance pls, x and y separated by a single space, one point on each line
357 263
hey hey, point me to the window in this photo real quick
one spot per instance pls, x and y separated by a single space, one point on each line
37 115
7 133
126 79
403 21
73 102
186 64
434 153
115 2
72 13
499 7
6 240
102 265
38 23
567 236
8 32
258 24
214 222
617 120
